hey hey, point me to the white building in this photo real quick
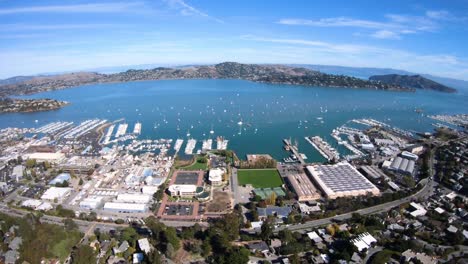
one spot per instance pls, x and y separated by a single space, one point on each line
419 210
144 245
58 193
17 172
150 190
133 198
125 207
46 156
216 176
33 204
364 241
183 190
92 202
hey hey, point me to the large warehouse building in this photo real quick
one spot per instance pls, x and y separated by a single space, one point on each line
303 187
340 180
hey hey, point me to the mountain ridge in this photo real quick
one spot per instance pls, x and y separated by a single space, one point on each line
278 74
412 81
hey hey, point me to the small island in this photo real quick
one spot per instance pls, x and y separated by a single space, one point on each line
9 105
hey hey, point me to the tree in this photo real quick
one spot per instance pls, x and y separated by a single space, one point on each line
83 254
170 252
206 248
70 224
266 230
271 199
80 182
154 257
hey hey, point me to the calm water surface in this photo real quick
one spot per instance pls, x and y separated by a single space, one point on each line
269 113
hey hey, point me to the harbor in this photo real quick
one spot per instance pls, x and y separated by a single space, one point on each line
295 155
190 146
323 148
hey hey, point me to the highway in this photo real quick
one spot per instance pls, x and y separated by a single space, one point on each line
425 192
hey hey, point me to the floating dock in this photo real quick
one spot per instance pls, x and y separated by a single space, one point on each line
206 145
137 128
190 146
294 151
221 143
121 130
323 148
178 144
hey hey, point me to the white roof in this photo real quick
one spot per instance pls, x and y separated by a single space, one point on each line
31 203
419 209
44 207
314 236
149 189
125 206
183 188
144 245
56 193
216 175
46 156
134 198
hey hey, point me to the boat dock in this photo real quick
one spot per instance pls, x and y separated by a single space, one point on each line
323 148
178 144
137 128
121 130
190 146
206 145
221 143
293 149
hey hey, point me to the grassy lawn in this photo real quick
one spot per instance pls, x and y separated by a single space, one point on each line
196 166
262 178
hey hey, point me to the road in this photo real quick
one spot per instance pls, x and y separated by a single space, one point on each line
425 192
235 185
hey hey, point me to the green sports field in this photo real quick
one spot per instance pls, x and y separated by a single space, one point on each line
260 178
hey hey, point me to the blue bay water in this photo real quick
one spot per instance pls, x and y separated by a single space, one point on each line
269 113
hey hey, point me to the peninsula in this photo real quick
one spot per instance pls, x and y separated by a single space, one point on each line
412 81
278 74
9 105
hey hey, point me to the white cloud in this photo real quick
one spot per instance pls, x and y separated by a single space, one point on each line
28 27
319 52
79 8
392 27
188 10
335 22
386 34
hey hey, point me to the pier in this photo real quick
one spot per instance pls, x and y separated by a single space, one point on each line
323 148
293 149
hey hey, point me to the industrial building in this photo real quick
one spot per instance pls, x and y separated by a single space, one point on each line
373 173
125 207
17 173
402 165
92 202
56 193
54 157
134 198
60 179
303 187
340 180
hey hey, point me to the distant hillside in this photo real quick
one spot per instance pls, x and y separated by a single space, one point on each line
412 81
280 74
366 72
15 79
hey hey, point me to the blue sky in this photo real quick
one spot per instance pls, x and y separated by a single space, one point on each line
55 36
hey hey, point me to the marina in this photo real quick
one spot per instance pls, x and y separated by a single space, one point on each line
121 130
190 146
323 148
206 144
137 128
295 155
221 143
178 145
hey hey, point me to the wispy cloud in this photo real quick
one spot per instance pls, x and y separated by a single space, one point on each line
393 27
79 8
32 27
189 10
386 34
319 52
